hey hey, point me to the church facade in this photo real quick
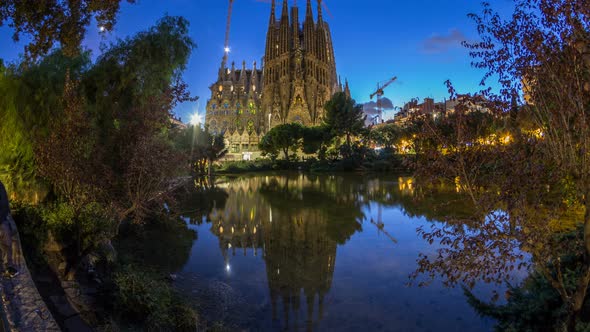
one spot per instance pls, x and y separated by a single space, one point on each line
297 77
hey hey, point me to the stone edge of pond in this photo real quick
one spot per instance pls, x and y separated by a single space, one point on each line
22 305
23 308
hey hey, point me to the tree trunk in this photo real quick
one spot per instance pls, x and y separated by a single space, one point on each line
210 168
348 142
587 225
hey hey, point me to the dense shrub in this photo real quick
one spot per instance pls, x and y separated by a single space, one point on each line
141 296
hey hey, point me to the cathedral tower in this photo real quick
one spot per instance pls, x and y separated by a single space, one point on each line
300 69
297 77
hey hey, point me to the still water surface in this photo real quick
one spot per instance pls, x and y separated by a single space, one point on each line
298 252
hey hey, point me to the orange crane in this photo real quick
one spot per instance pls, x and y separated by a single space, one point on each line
379 93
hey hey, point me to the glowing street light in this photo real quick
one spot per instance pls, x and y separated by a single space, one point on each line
196 119
101 28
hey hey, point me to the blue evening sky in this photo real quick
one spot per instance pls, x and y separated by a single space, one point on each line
418 41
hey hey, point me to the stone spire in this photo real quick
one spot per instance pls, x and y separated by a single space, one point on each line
320 19
243 73
285 10
295 26
308 12
271 37
273 18
309 30
232 76
254 80
347 89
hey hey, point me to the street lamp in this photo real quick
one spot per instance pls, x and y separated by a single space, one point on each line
196 119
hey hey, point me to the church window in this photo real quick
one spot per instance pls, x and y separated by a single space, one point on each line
220 88
252 109
226 105
214 106
250 126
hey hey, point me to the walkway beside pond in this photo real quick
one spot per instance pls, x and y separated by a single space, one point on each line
23 309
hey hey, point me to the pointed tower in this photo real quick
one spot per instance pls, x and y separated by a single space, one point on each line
295 43
284 41
347 89
271 38
254 82
299 67
243 74
309 30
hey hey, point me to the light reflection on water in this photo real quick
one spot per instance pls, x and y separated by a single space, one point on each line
301 252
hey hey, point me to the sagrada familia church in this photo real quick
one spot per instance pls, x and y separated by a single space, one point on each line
297 77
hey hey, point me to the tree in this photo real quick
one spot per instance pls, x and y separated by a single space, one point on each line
315 139
201 147
387 135
345 118
56 21
31 103
282 138
130 97
537 182
545 50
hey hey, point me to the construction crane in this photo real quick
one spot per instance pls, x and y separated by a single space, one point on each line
379 93
381 226
227 28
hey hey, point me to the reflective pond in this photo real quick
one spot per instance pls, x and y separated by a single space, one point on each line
300 252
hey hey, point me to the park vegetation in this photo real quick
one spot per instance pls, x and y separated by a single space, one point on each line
90 157
88 150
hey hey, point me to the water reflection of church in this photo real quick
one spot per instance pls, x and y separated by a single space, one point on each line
295 223
295 244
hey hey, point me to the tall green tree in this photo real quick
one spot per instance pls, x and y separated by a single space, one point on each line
345 118
31 102
315 140
283 138
387 135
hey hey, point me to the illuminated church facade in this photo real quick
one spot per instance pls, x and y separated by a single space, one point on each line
297 77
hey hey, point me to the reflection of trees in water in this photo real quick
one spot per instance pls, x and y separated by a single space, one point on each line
296 222
513 233
197 200
163 244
